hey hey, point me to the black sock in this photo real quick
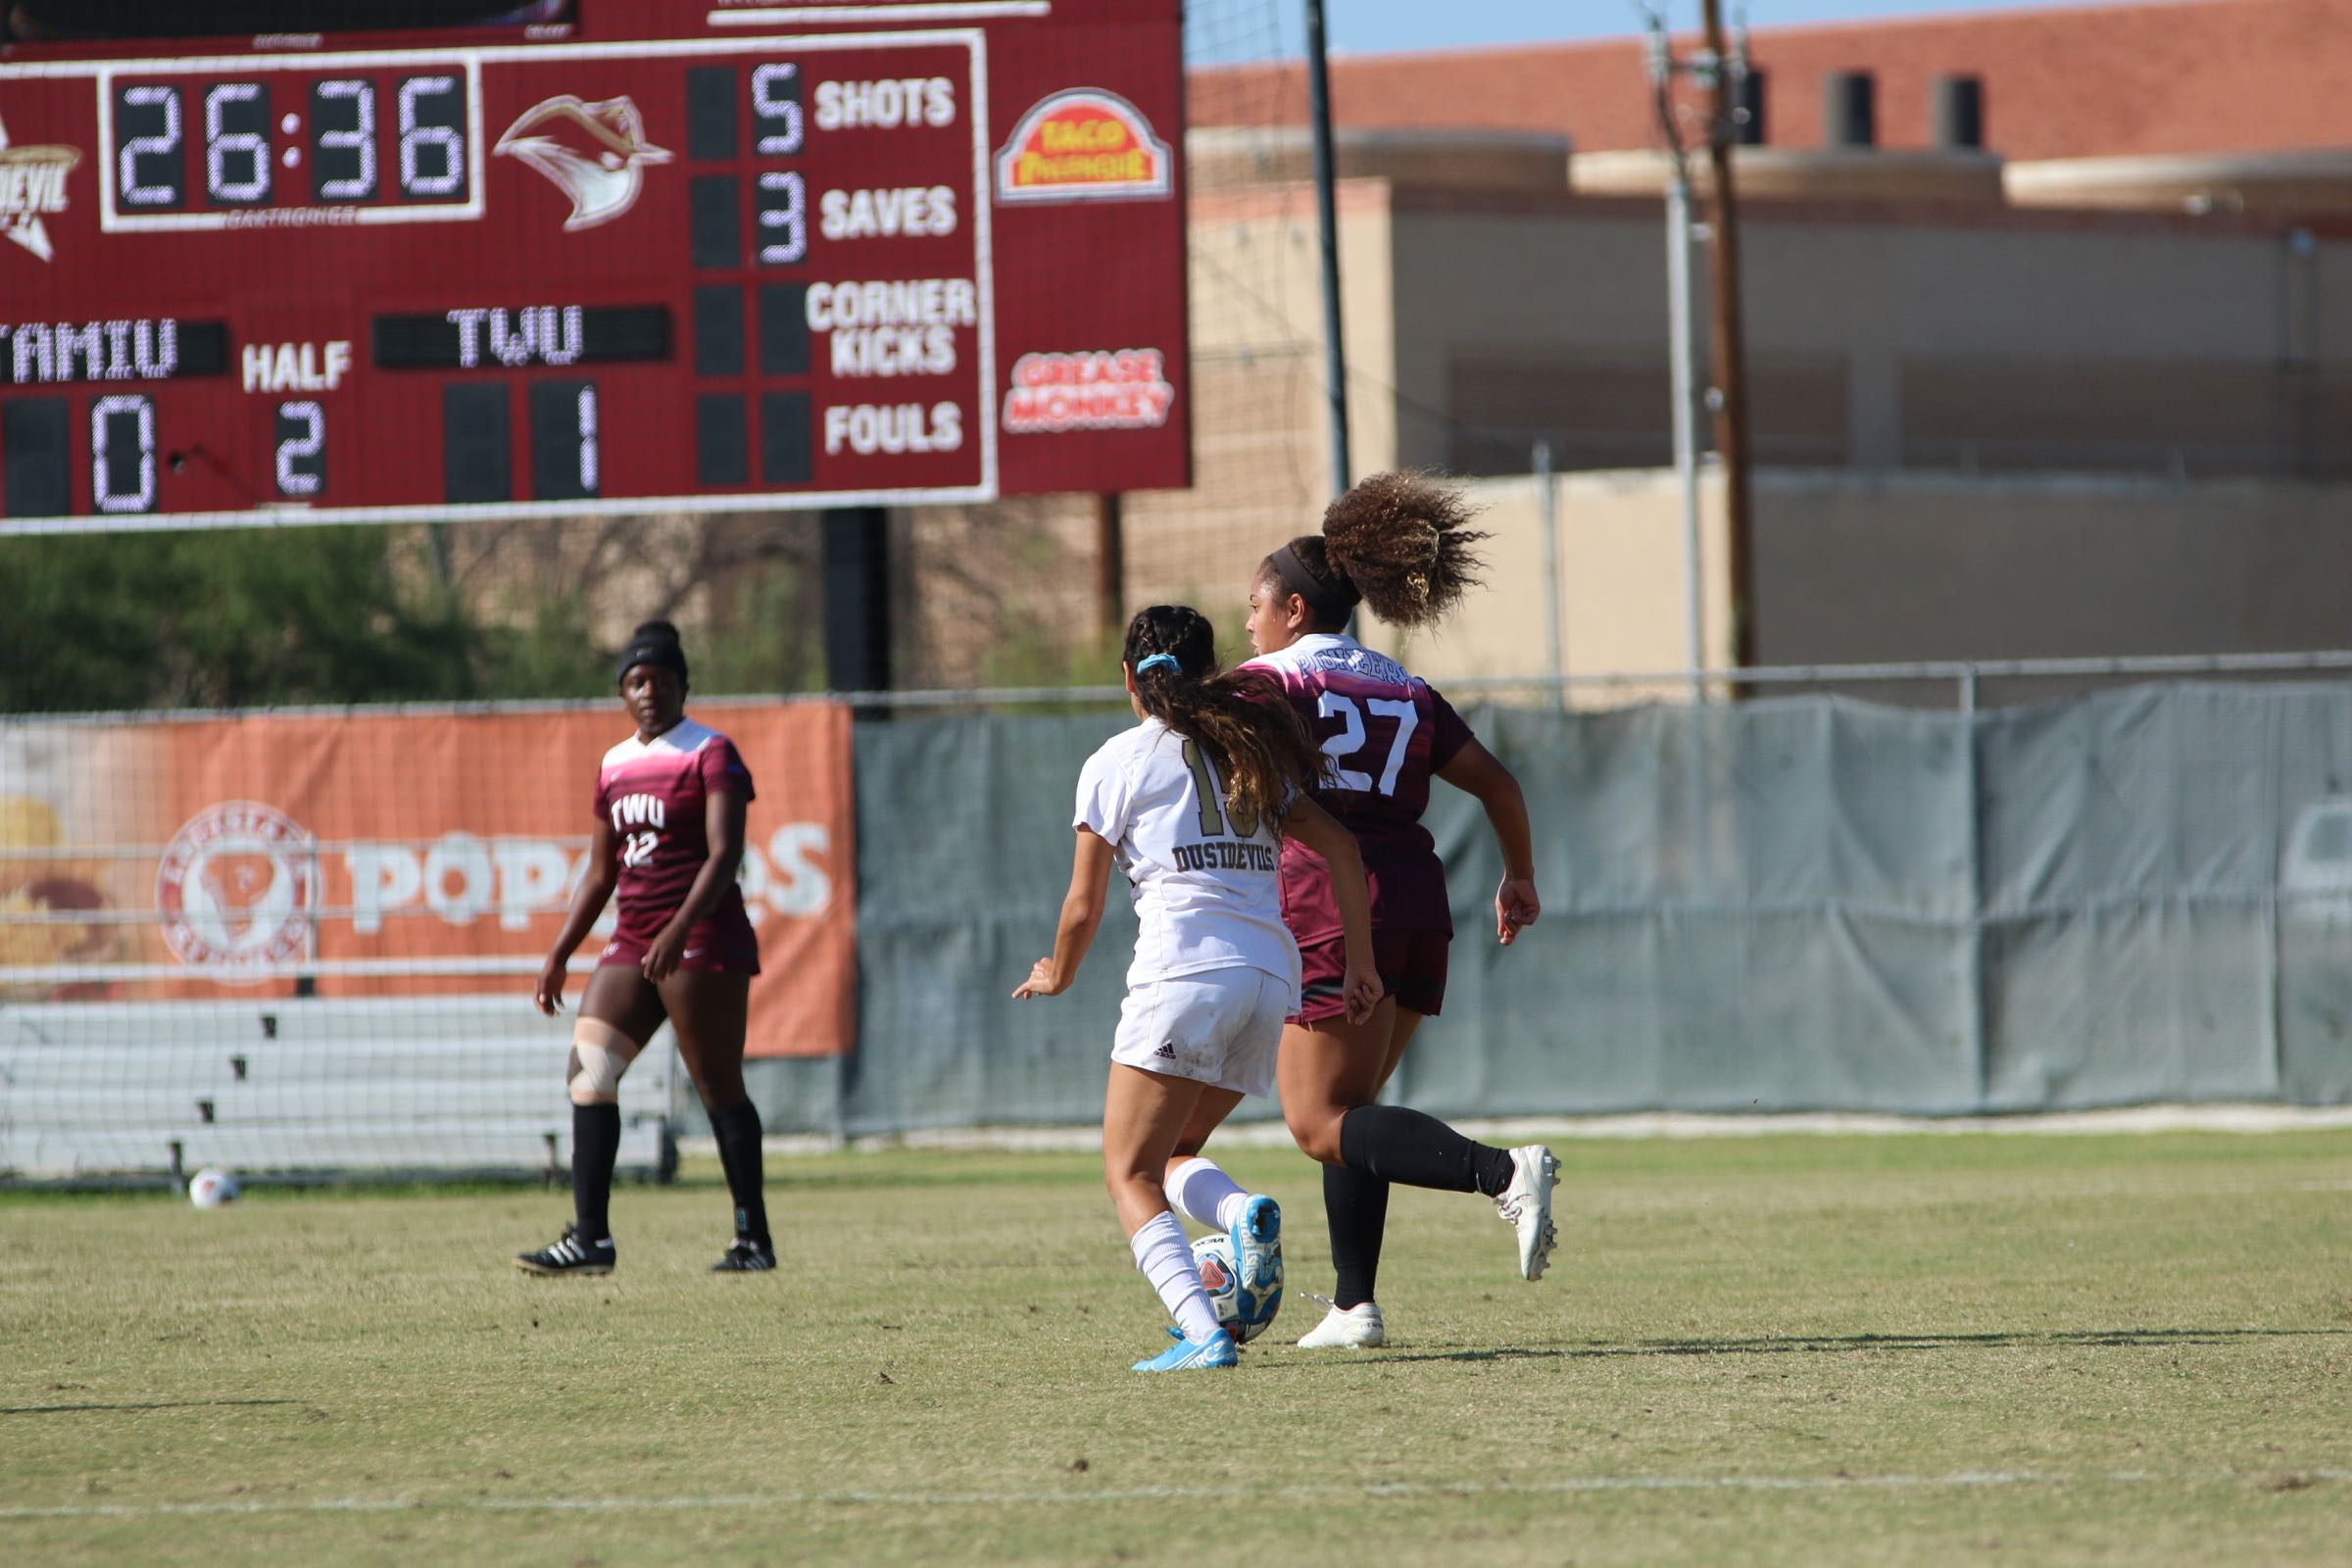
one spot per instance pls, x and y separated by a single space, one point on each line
1402 1145
595 1145
737 1129
1355 1208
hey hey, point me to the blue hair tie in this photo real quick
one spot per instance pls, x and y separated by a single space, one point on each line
1157 661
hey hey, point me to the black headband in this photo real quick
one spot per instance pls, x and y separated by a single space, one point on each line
663 651
1328 604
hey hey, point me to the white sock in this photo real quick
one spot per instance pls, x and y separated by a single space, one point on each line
1166 1260
1204 1193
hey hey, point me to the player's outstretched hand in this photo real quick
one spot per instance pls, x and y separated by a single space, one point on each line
1515 906
548 992
1040 982
1360 993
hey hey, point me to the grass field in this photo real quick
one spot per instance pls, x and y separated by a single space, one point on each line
2029 1349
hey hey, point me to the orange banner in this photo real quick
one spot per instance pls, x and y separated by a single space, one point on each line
388 855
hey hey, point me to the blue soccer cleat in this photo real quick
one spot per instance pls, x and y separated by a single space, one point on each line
1187 1355
1257 1237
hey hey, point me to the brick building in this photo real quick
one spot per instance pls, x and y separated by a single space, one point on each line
2085 388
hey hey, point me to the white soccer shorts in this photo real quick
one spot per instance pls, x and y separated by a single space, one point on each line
1221 1027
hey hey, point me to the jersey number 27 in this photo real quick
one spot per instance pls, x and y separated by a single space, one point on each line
1350 741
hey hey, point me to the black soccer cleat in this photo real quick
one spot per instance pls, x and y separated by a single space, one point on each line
568 1255
745 1255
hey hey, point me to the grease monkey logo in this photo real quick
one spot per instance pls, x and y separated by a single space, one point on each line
32 187
236 891
594 153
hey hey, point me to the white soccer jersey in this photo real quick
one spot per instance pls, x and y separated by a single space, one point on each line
1208 896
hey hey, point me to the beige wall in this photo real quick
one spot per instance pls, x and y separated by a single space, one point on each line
1907 569
1619 583
1850 568
1261 432
1893 351
1882 339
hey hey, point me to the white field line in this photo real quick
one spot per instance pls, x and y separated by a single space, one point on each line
1271 1134
1965 1480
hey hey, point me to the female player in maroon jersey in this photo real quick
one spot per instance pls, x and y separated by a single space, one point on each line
1398 543
668 837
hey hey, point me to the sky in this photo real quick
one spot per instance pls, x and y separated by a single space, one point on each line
1254 30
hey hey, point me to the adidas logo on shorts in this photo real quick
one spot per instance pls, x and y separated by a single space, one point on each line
1168 1048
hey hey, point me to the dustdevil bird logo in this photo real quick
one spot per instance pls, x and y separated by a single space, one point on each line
32 187
594 153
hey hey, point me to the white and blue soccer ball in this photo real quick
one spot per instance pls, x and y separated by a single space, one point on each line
1212 1255
211 1189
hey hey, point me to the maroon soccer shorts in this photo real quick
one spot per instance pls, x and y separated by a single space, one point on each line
1412 969
719 945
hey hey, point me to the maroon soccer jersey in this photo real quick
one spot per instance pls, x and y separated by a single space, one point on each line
655 793
1384 735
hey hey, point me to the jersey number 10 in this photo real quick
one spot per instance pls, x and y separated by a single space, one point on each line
1213 821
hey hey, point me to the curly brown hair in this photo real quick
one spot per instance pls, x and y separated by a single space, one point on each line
1249 732
1400 538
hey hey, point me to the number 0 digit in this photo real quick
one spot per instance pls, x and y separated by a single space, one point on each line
104 415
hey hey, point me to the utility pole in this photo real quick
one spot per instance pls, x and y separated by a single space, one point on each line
1555 613
1110 565
1681 376
1335 350
1727 398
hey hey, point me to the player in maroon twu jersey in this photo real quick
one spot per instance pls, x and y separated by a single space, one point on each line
668 837
1398 543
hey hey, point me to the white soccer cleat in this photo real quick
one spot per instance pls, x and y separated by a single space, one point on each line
1526 1206
1351 1328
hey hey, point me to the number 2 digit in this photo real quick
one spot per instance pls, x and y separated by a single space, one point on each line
1349 741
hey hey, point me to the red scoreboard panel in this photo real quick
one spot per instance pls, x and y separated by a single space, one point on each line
658 256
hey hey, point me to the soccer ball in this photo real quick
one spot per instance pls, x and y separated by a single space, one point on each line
209 1189
1214 1256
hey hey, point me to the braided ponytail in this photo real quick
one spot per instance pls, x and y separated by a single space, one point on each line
1255 740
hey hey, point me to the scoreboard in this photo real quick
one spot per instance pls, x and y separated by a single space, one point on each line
654 255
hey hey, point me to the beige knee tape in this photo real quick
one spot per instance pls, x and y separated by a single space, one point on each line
600 1055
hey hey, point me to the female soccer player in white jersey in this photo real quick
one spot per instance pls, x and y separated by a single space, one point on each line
1186 804
1398 543
668 836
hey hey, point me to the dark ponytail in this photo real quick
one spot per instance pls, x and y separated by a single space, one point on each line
1241 720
